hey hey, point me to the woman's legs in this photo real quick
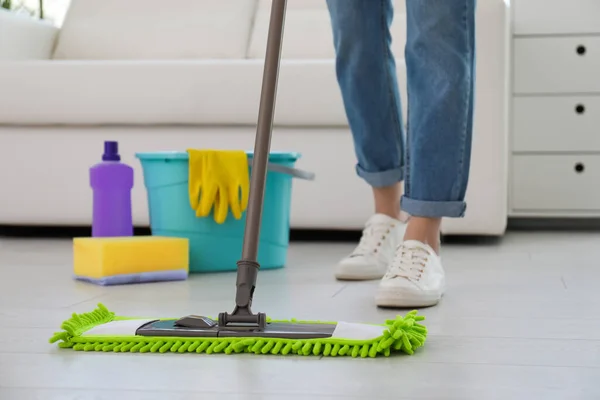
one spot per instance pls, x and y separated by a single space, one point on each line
440 59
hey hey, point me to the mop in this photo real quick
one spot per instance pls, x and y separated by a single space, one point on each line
243 331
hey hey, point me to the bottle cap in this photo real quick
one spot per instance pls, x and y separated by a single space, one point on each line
111 151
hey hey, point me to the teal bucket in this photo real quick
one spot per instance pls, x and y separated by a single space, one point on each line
217 247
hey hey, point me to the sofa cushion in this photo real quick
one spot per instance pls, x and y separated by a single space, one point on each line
155 29
167 92
308 30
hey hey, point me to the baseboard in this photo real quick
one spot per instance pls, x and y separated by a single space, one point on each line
326 235
67 232
553 224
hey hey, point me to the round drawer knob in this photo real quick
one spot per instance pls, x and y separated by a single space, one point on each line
579 168
579 108
581 50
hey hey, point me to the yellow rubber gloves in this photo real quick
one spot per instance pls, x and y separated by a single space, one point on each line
218 179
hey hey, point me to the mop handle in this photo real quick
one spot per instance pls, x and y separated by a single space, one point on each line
242 317
262 144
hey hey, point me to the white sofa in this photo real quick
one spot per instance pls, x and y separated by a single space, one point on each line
160 78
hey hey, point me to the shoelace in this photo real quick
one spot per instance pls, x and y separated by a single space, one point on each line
373 236
409 263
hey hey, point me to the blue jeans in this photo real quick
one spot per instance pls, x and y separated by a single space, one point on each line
434 158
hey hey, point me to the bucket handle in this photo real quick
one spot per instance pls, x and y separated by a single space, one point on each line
296 173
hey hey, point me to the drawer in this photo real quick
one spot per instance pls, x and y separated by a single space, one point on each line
548 17
556 123
556 65
555 182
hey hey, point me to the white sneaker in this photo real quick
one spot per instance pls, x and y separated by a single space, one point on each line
414 279
375 251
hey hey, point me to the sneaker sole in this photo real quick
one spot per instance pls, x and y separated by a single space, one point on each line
355 277
397 299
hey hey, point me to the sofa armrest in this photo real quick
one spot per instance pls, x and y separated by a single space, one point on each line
25 38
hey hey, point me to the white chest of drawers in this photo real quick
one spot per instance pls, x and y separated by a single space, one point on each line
555 118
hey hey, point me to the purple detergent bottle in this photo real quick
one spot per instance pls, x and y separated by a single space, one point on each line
111 181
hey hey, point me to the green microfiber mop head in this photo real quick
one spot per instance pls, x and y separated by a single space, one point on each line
102 330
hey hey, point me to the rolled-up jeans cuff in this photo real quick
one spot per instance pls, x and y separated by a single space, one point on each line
433 209
382 178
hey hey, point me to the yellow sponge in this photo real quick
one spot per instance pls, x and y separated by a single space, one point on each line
120 260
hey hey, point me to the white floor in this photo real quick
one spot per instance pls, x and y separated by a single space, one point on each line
521 320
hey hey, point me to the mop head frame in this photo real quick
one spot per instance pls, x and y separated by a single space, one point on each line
404 335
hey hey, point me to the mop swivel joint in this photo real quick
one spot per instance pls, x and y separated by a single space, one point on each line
246 282
242 317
